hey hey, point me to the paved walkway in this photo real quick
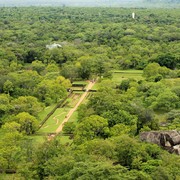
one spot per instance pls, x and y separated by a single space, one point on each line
90 85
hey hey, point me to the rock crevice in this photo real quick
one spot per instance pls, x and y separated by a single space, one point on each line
168 140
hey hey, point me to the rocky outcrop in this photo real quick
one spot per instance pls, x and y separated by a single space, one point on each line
169 140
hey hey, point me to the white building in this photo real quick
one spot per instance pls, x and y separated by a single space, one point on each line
52 46
133 15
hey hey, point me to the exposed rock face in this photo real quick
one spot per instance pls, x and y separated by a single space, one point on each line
169 140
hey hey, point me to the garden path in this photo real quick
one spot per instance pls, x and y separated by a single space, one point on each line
67 117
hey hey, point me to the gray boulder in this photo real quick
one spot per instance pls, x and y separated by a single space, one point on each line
169 140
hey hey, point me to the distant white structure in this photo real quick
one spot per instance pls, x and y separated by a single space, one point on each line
133 15
52 46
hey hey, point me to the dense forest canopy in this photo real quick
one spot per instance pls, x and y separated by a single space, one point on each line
44 50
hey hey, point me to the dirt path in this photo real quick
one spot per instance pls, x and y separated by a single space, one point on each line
90 85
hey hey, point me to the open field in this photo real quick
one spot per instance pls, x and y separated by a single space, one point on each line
120 75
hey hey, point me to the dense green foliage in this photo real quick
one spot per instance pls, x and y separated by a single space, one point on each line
94 42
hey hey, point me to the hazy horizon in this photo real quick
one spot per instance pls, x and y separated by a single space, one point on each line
68 2
89 3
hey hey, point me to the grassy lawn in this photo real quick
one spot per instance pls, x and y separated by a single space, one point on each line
46 111
134 71
79 85
54 121
173 81
73 118
120 75
77 88
74 100
57 118
80 82
78 92
96 86
38 139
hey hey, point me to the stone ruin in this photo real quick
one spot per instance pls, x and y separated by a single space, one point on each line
168 140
